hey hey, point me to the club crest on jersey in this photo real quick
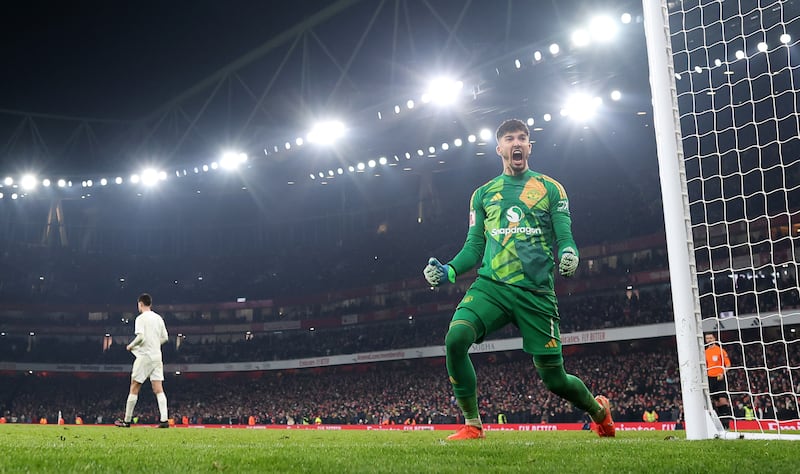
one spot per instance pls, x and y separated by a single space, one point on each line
514 214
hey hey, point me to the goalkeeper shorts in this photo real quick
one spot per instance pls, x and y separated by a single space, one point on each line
498 304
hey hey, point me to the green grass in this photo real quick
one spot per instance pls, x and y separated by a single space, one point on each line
61 449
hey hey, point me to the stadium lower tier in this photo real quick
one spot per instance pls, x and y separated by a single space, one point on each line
635 375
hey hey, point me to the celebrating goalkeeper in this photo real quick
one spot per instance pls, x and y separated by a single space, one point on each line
516 221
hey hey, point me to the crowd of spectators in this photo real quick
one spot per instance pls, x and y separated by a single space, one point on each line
634 375
397 392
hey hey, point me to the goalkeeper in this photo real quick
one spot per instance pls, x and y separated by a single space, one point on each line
516 221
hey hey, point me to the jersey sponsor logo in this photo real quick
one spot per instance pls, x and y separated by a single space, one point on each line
514 214
516 230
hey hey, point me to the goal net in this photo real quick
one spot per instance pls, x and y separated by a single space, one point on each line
725 78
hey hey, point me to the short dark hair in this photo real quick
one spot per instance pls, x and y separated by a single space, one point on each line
512 125
146 299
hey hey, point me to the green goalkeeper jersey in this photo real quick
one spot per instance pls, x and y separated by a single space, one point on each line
515 224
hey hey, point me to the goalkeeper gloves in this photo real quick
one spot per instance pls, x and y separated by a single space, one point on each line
436 273
569 262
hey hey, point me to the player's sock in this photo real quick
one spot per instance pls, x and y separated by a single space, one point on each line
569 387
161 398
462 373
130 404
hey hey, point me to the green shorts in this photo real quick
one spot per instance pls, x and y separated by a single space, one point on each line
498 304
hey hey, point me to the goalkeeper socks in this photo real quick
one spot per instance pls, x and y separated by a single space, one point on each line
161 398
566 386
130 404
459 366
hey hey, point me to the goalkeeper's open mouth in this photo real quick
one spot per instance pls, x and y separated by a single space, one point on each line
517 157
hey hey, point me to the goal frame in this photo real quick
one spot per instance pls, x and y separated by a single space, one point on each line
700 419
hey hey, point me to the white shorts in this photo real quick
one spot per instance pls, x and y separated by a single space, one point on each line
145 368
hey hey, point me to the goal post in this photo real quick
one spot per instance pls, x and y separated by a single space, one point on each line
725 108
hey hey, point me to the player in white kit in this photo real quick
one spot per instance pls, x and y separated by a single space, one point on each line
151 333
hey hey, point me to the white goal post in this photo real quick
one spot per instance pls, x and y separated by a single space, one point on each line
725 81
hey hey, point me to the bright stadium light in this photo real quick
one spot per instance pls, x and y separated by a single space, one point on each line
603 28
134 179
582 107
581 38
554 49
8 181
485 134
626 18
149 177
28 182
443 91
327 132
616 95
118 180
46 183
61 183
231 160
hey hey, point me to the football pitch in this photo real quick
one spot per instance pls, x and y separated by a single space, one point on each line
53 448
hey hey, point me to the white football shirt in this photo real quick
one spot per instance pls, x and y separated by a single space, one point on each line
154 333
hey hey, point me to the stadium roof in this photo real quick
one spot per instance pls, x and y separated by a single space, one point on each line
97 88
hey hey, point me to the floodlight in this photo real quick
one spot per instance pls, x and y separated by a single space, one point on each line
46 183
554 49
485 134
8 181
371 163
103 182
581 38
325 133
603 28
626 18
231 159
616 95
382 160
61 183
118 180
443 91
149 177
582 107
28 182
